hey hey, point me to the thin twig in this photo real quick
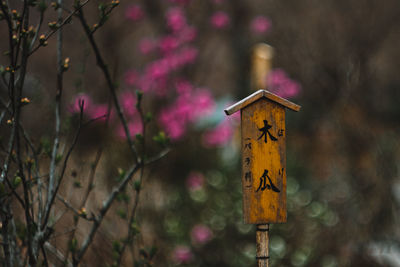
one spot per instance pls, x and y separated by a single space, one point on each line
38 27
57 253
65 21
5 218
89 189
60 71
110 83
10 85
52 197
131 232
32 249
69 206
34 153
103 211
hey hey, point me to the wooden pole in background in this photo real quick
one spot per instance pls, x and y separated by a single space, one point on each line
262 56
261 65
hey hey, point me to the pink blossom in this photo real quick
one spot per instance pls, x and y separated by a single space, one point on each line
145 83
98 112
172 61
219 136
183 108
135 127
201 234
187 34
176 19
161 86
280 84
78 100
182 255
173 125
134 13
168 44
234 118
157 69
260 24
183 87
175 118
130 77
128 103
203 103
90 110
195 181
186 108
188 55
146 46
220 20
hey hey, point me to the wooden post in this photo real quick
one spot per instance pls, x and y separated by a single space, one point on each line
261 65
262 243
263 163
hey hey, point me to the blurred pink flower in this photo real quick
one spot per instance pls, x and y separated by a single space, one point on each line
176 19
90 110
186 108
195 181
172 123
144 83
98 112
128 103
168 44
188 55
182 255
146 46
234 118
161 86
220 20
203 103
172 61
78 100
130 77
134 13
220 135
135 127
201 234
260 24
187 34
183 87
157 69
280 84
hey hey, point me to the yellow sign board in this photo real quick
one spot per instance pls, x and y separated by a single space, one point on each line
263 156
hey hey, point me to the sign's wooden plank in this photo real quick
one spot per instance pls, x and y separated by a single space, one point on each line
256 96
264 162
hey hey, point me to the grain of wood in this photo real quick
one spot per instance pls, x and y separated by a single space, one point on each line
263 163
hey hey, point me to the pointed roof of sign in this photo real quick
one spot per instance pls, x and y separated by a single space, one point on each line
256 96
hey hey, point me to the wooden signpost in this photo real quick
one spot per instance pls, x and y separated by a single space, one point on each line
263 163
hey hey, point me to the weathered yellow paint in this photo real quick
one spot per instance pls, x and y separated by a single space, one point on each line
263 206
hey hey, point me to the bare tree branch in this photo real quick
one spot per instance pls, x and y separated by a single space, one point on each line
110 83
65 21
103 211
